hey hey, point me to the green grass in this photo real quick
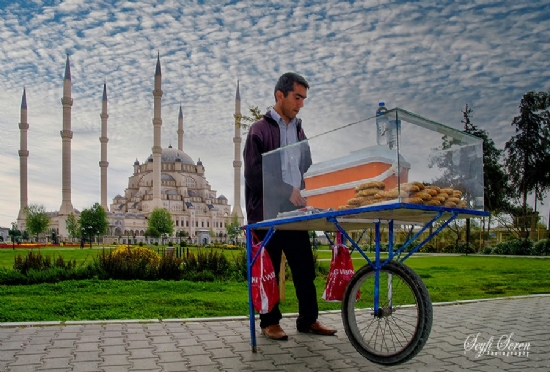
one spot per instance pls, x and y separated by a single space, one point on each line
447 278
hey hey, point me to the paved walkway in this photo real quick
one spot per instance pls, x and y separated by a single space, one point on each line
223 344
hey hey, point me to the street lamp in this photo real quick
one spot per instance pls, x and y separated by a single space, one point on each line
90 234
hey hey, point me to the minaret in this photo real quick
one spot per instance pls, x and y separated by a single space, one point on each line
66 137
237 163
103 164
180 130
23 156
157 124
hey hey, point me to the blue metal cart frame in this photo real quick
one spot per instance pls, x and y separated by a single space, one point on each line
359 219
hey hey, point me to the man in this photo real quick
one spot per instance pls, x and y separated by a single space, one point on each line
278 128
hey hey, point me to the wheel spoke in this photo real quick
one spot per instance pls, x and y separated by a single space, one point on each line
391 334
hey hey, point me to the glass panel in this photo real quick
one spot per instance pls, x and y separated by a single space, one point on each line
411 160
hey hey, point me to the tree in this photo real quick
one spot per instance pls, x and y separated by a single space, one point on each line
73 226
37 219
161 219
234 228
94 221
152 232
255 114
14 233
528 152
495 179
496 191
460 165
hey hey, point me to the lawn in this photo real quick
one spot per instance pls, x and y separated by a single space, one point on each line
447 278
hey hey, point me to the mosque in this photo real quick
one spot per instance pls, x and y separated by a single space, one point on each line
168 178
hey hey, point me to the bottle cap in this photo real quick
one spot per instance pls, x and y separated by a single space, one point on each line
381 104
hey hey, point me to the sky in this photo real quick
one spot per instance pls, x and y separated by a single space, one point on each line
428 57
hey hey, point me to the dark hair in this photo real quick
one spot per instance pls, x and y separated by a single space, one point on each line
286 83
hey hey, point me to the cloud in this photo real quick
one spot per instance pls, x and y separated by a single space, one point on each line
428 58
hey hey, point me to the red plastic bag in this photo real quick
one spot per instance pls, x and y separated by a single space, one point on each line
340 273
265 289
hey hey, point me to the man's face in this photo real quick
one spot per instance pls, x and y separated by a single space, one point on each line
292 103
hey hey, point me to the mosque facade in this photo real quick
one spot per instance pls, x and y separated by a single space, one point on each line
169 178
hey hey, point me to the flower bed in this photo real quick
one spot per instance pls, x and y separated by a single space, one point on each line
37 245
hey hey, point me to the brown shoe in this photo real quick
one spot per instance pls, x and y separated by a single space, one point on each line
318 328
274 332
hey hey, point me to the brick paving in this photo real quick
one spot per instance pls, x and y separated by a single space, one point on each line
223 344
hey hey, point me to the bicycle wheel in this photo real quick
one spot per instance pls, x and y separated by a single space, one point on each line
402 324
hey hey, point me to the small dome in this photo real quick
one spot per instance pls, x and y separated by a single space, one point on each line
199 162
166 177
136 162
222 197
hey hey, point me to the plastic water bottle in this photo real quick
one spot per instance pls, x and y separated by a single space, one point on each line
381 123
394 126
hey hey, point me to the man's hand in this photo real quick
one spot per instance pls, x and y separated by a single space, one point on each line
296 198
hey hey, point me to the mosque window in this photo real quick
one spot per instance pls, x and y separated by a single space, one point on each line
196 223
186 223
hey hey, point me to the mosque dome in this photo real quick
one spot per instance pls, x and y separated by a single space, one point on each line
172 155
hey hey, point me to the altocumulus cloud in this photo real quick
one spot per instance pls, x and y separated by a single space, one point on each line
431 59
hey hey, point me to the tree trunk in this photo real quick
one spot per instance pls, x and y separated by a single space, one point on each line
467 234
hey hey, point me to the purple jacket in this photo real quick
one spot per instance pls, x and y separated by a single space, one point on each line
264 136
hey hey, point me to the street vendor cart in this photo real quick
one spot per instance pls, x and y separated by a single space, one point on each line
424 178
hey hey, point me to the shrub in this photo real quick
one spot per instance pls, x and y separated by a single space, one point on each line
202 276
169 267
35 261
514 247
487 250
541 248
140 244
170 244
428 248
129 263
47 275
465 248
240 268
212 261
449 248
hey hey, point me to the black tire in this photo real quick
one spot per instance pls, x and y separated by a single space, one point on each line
398 332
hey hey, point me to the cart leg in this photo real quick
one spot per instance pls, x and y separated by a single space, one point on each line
249 277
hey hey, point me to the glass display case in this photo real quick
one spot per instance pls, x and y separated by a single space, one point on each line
399 157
